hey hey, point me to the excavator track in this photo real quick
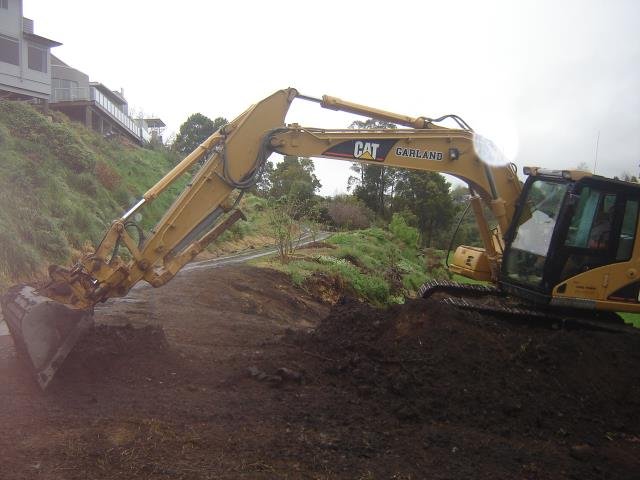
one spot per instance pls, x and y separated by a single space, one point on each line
429 288
490 300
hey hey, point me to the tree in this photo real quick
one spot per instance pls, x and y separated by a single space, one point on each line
263 185
426 195
627 177
467 233
194 131
373 184
295 179
347 212
282 224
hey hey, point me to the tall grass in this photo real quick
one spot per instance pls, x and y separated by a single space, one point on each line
62 184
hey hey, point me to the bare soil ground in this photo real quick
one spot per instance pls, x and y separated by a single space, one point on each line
234 373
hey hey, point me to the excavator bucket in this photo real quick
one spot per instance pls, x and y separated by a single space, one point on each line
43 330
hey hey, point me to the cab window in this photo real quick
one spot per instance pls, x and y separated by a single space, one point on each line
534 231
602 230
628 230
593 220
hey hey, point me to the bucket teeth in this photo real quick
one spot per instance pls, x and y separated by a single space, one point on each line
43 330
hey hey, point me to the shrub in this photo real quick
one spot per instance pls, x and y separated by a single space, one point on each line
17 258
123 198
84 182
255 203
107 176
61 209
413 281
402 231
373 289
283 227
77 158
238 230
349 214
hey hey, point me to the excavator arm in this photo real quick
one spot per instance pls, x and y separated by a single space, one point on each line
441 150
233 159
47 322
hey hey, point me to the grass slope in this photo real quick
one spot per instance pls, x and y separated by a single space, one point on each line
372 264
61 185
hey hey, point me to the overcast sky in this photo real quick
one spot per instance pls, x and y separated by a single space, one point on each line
543 79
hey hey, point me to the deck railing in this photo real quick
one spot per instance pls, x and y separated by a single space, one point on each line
106 105
69 94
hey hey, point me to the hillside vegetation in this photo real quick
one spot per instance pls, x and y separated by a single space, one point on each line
380 266
61 185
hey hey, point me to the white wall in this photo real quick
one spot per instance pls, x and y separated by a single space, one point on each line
10 20
20 78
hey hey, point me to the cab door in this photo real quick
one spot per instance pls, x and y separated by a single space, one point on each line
595 244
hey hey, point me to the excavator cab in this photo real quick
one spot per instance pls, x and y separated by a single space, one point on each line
572 240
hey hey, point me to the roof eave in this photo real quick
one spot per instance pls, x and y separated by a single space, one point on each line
41 40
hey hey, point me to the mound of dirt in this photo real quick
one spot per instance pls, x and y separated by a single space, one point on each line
245 376
325 288
427 363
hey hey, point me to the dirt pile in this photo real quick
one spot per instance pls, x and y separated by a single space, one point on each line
443 364
428 363
244 376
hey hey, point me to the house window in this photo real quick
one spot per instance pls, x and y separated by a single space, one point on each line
37 59
66 90
4 4
9 50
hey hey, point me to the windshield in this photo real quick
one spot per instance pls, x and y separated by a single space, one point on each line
535 226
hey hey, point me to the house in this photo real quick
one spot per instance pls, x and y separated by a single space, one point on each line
28 71
92 103
156 127
25 58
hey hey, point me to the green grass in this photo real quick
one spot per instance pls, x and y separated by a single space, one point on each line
631 318
62 184
372 264
254 209
459 278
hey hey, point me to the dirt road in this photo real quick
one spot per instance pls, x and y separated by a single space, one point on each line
234 373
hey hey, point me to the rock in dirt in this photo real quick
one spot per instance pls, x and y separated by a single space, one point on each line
290 375
282 375
582 452
262 376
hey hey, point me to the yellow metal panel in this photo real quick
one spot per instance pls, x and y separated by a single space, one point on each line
471 262
600 283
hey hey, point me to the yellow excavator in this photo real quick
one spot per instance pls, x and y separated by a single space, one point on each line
564 240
